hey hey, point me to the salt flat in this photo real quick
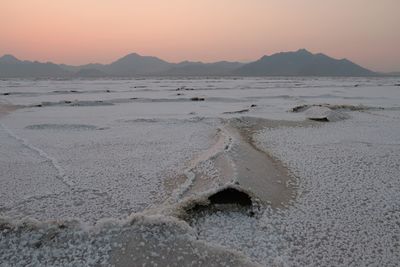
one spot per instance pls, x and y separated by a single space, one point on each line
78 157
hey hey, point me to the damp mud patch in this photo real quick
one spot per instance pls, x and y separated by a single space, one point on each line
138 240
257 171
240 164
169 243
62 127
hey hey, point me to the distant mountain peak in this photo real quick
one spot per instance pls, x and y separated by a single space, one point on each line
302 63
9 59
132 55
136 57
301 51
304 51
134 64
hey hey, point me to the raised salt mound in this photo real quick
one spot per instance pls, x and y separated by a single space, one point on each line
319 113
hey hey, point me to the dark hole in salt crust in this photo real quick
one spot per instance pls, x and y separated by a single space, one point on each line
319 119
230 196
229 199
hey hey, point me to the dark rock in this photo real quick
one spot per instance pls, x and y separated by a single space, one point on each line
300 108
197 98
184 88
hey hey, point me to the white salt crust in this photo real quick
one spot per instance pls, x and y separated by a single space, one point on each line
103 149
347 211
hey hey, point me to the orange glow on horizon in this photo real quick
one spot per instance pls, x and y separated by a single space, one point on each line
84 31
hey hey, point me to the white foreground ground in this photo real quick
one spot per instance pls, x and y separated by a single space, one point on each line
78 157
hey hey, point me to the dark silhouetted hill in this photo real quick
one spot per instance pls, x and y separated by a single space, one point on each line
302 63
298 63
11 67
136 65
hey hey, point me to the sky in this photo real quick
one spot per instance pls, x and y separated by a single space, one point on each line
87 31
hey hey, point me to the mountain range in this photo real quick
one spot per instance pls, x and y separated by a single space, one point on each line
297 63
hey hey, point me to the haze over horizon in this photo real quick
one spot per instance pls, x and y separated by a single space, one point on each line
79 32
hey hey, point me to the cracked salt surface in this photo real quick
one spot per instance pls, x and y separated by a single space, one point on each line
347 212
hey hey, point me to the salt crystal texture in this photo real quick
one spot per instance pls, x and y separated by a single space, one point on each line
91 172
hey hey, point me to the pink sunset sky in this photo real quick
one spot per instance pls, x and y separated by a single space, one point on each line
83 31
